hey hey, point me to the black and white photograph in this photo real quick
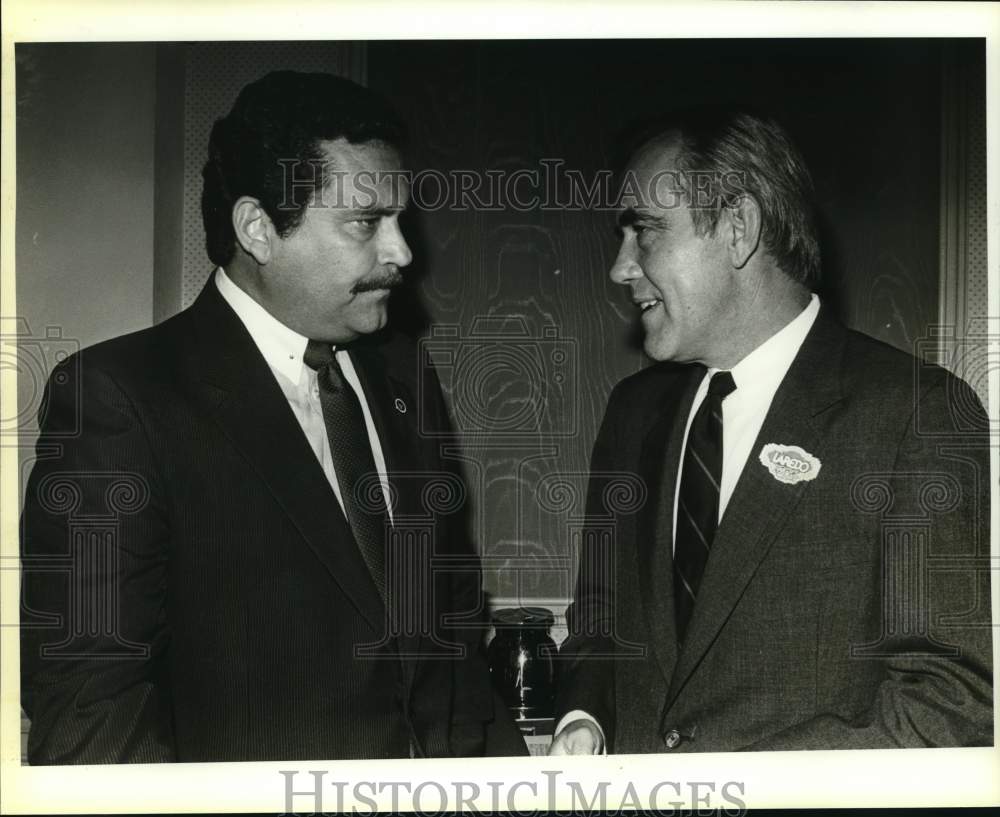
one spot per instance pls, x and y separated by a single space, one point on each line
555 419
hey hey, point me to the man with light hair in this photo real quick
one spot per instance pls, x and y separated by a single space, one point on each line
810 567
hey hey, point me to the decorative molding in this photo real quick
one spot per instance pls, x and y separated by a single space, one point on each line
963 292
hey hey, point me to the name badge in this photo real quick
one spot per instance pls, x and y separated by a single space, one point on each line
789 463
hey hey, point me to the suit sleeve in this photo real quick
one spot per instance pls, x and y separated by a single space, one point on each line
936 687
94 542
586 657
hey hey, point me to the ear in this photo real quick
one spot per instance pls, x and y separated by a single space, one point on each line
743 230
254 230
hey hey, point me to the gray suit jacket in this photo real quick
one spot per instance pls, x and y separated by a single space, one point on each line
849 611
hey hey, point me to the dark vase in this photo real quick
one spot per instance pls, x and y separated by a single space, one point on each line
521 660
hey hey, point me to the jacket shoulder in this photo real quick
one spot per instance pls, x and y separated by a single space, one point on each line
877 366
898 390
145 355
396 353
657 379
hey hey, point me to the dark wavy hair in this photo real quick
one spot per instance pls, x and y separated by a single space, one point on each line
738 152
276 125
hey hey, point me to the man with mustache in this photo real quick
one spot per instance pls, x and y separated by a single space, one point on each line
288 569
809 568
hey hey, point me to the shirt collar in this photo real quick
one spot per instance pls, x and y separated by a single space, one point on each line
281 346
765 367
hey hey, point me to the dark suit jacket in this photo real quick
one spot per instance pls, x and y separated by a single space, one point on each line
191 588
850 611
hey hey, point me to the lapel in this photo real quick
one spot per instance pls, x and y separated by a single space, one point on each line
760 505
659 458
394 412
235 384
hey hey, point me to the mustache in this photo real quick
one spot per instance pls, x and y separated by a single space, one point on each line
387 280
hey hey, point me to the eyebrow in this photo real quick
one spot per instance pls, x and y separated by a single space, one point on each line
371 212
630 216
627 217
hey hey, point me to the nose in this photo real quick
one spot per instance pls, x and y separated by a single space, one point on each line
394 249
625 268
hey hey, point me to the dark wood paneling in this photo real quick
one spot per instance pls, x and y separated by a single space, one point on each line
866 115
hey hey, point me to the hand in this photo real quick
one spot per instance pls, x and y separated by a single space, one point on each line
579 737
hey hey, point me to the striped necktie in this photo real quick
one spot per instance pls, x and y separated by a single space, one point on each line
698 506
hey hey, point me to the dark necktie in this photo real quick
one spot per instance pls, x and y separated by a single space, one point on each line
698 506
352 459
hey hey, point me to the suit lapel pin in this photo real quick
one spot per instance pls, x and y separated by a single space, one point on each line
789 463
400 406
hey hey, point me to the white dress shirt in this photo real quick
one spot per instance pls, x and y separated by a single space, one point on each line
757 378
283 349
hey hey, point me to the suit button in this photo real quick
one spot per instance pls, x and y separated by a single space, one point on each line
671 738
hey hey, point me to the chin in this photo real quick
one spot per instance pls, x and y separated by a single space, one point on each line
372 323
656 349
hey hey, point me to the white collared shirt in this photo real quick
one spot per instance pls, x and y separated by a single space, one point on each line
757 378
283 349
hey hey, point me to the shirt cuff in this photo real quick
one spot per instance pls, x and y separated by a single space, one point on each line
579 714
